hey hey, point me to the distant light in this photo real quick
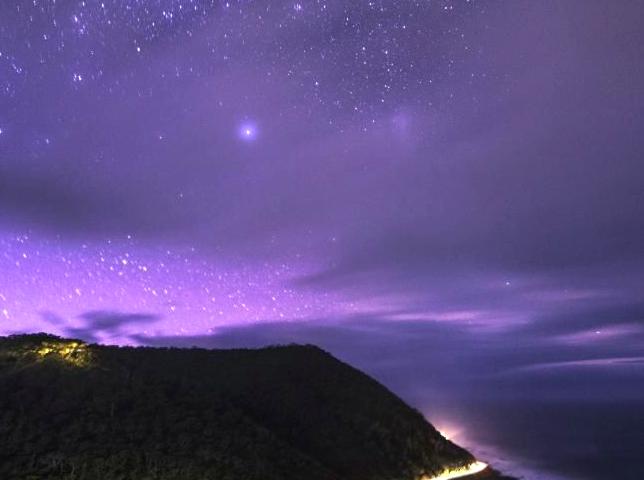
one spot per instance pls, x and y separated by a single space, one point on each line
248 132
72 352
466 471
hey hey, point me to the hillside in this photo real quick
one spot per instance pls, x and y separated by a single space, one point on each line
74 411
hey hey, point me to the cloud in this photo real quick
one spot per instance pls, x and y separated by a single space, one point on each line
72 203
100 325
420 358
46 199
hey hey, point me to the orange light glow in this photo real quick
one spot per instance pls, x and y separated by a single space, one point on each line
465 471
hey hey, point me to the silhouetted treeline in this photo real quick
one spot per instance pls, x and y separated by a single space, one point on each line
279 413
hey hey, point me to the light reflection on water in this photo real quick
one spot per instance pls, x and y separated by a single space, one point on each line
563 440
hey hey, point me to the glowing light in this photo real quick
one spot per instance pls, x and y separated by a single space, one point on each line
471 469
74 353
248 132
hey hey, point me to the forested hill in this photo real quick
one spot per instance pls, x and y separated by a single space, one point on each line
74 411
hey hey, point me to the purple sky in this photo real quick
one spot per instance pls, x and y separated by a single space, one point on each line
447 188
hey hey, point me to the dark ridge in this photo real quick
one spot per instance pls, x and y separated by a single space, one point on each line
69 410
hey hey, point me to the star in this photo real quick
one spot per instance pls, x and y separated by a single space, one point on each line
248 131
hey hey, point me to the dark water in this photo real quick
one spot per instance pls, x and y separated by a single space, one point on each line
552 439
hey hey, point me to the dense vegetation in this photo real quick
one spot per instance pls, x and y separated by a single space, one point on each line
75 411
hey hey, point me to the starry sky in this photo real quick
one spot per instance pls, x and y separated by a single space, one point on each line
420 186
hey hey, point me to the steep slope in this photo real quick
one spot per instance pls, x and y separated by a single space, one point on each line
71 410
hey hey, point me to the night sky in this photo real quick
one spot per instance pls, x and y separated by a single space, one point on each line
448 194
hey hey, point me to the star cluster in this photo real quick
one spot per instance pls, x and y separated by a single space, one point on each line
340 60
232 162
107 97
54 283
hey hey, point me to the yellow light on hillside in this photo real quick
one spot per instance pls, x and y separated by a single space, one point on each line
74 353
470 469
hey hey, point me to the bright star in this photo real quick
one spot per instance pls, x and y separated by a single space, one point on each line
248 132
